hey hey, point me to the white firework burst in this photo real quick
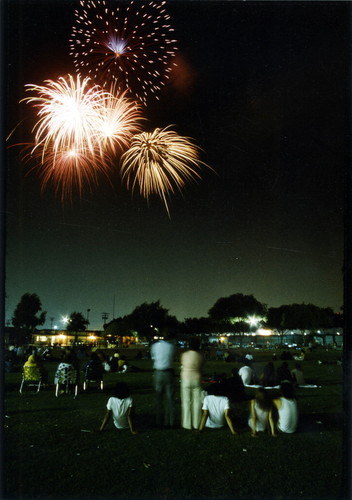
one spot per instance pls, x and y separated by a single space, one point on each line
130 45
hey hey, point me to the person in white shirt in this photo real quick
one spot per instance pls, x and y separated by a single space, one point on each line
287 411
162 354
120 406
246 373
216 411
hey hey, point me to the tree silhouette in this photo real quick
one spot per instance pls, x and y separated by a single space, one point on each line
147 319
192 326
119 327
26 316
77 322
236 306
233 312
300 317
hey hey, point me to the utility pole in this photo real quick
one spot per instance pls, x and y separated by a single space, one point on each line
51 323
104 316
88 311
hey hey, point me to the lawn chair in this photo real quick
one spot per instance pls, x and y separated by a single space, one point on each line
31 377
66 376
93 374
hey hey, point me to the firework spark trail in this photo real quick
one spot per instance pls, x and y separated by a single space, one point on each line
129 45
79 129
160 161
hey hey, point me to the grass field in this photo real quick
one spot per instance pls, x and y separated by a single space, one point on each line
49 455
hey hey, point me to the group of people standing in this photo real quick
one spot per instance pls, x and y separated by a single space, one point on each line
201 409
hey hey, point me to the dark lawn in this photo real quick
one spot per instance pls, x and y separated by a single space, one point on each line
49 456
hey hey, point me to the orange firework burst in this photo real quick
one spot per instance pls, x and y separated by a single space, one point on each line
160 161
70 169
78 130
128 44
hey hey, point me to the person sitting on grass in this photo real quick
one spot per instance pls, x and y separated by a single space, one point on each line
113 362
268 377
260 408
297 375
233 388
247 373
300 357
121 365
216 410
120 406
283 373
286 406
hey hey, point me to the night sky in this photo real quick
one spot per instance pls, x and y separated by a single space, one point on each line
262 88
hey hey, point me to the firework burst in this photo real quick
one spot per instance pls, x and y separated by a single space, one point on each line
160 161
129 45
118 120
80 128
70 169
68 111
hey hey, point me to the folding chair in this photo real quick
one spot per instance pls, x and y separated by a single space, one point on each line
66 376
91 374
31 377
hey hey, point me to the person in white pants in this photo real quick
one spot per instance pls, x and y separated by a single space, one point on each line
191 392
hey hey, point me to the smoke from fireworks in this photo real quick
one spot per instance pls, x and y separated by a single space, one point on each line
129 45
79 128
160 161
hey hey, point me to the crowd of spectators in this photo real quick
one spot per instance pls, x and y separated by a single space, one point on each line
208 403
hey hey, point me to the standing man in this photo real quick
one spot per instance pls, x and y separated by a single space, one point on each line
162 353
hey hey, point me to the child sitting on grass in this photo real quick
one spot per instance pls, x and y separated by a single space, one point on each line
287 411
216 410
260 408
120 405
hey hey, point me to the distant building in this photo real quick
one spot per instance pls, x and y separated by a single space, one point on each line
332 337
66 338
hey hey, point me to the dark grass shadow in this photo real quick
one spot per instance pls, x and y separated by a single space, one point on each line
144 421
37 410
307 396
320 422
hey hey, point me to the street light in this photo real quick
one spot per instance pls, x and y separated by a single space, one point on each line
253 320
65 320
